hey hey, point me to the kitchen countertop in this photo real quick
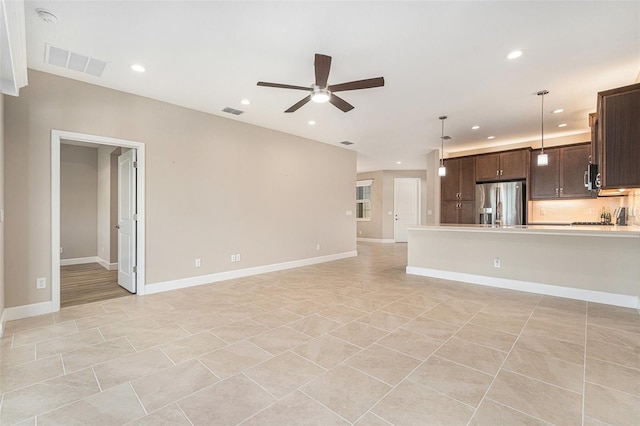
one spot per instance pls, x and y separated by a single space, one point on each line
569 230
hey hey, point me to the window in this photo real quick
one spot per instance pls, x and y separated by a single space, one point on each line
363 200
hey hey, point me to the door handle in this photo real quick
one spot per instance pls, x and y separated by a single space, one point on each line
117 226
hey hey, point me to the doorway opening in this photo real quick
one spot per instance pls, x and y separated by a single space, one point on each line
119 251
406 206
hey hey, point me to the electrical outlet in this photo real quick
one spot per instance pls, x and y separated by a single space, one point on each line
61 250
318 245
496 262
233 257
198 263
41 283
237 257
349 212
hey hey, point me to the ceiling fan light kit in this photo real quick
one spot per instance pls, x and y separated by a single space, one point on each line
321 92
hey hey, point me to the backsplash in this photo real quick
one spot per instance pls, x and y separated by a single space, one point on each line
583 210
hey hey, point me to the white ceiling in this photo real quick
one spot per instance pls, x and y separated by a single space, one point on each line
436 57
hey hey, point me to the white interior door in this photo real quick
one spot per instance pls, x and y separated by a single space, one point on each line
127 220
406 205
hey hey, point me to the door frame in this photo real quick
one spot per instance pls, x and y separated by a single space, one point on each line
419 200
56 140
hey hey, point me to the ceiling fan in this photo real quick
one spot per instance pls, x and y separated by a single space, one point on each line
320 92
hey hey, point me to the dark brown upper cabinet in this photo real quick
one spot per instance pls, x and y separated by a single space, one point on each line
617 137
507 165
564 176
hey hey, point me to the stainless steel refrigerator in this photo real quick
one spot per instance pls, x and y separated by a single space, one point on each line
501 203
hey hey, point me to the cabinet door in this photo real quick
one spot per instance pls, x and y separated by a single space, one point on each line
467 178
467 212
449 212
487 167
513 165
450 183
573 164
544 180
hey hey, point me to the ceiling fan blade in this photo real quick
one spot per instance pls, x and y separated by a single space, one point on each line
283 86
297 105
322 65
359 84
340 103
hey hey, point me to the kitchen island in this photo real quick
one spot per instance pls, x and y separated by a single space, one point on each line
595 263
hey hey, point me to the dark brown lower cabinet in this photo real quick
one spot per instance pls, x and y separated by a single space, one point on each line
458 212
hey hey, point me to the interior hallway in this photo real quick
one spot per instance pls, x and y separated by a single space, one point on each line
87 283
355 341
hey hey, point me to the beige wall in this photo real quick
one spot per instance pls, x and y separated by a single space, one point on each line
433 188
1 207
215 186
78 201
381 225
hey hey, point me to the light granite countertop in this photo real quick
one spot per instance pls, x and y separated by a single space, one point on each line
569 230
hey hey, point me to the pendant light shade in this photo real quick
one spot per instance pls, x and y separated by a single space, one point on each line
442 170
543 159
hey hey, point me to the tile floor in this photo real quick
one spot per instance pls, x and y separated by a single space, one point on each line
355 341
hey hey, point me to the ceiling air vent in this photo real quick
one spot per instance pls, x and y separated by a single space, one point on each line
232 111
346 143
74 61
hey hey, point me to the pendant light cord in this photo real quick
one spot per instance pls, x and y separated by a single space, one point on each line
542 93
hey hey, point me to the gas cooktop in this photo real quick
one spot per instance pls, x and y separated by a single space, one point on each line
592 223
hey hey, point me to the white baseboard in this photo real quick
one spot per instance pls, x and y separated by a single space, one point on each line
241 273
376 240
79 261
106 265
531 287
25 311
2 323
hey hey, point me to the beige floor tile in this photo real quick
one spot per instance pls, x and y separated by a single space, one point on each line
564 304
171 415
46 396
96 354
171 384
240 312
276 318
123 328
554 330
370 419
69 343
117 405
384 364
590 421
79 311
623 355
487 337
342 314
567 351
560 316
33 335
284 373
490 413
305 308
239 330
142 340
191 347
404 310
12 378
384 320
422 301
537 399
366 304
130 367
410 343
39 321
27 422
613 376
315 325
435 330
454 311
234 358
412 404
359 334
613 336
625 319
226 403
502 323
611 406
11 357
102 319
546 368
279 340
296 409
462 383
475 356
346 391
202 323
327 351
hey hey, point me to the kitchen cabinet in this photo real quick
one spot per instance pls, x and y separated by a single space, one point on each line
507 165
564 176
617 137
458 190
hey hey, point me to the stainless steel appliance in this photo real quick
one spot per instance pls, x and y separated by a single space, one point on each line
501 203
621 216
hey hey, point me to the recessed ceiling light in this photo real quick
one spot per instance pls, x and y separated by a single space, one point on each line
491 137
398 162
245 102
557 111
311 122
475 127
138 68
562 125
515 54
47 16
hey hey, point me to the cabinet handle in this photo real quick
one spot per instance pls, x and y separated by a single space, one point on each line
561 190
497 172
556 191
501 172
585 178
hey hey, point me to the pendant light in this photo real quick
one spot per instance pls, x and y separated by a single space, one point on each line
442 171
543 159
